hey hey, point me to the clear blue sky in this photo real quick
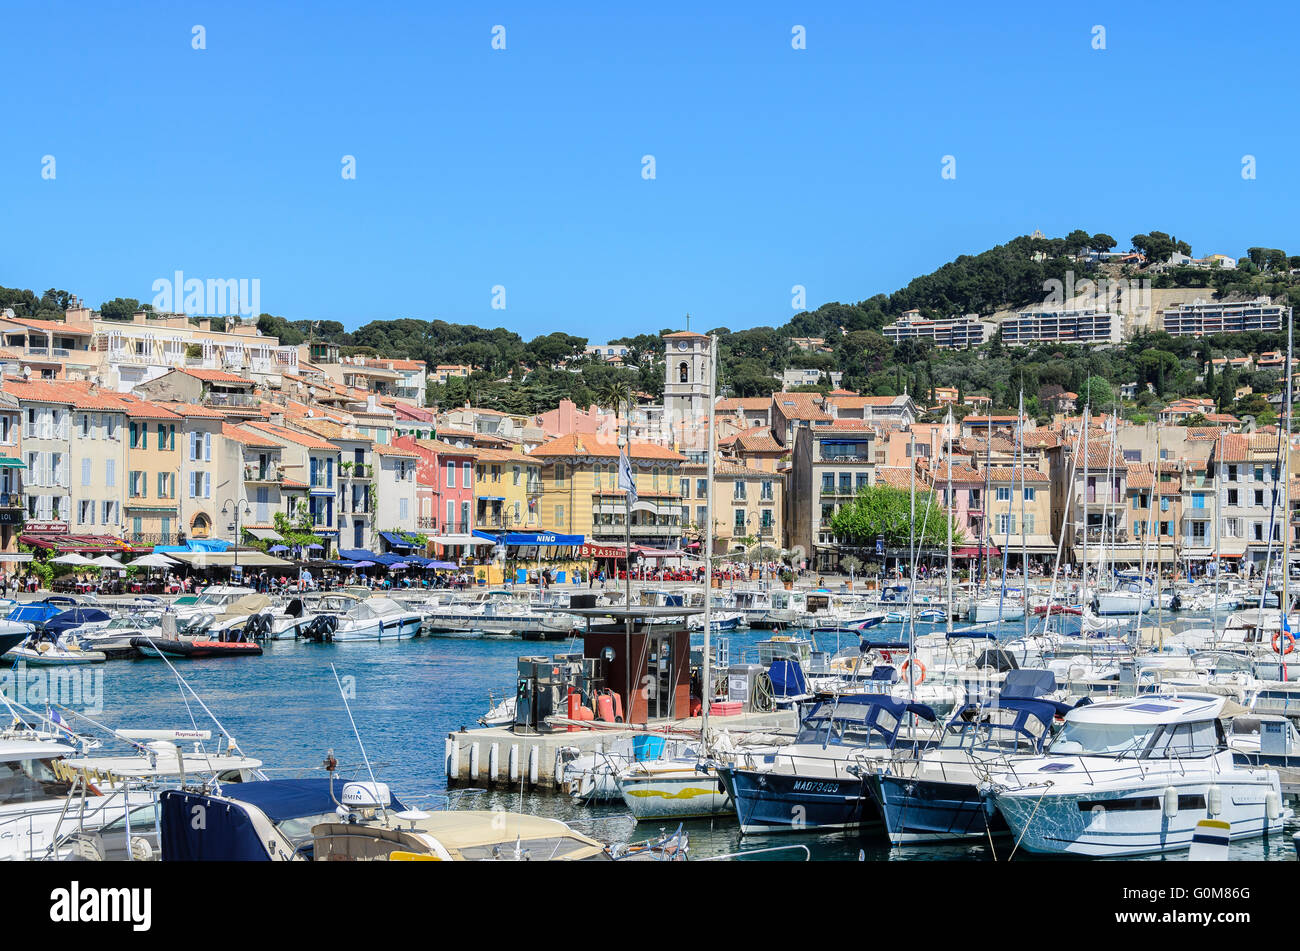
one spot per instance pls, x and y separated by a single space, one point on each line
522 168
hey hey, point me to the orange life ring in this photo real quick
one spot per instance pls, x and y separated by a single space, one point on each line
908 663
1290 642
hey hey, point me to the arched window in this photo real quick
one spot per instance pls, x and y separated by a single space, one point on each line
683 372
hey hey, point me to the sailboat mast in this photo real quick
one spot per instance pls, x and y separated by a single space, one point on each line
706 679
1283 603
1024 537
1218 535
951 507
1083 591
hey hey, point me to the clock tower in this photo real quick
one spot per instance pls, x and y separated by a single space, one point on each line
686 387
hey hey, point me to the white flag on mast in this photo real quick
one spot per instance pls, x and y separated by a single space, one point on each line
626 481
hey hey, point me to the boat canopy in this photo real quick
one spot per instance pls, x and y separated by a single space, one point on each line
231 834
75 617
375 607
867 709
1031 719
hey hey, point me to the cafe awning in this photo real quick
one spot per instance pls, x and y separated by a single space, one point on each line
228 559
265 534
9 462
397 541
461 540
543 539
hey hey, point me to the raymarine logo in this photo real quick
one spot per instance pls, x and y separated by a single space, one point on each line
75 904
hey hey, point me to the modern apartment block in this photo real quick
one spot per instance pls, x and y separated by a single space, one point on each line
1223 317
955 333
1062 326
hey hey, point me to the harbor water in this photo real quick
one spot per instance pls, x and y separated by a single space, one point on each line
286 709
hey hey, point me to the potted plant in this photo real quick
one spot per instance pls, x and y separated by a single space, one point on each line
852 565
787 578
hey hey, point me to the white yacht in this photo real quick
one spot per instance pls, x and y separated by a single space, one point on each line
377 619
1133 777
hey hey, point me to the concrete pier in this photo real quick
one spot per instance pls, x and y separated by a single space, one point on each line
474 757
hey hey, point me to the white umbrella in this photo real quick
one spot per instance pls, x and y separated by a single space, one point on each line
153 560
72 558
103 561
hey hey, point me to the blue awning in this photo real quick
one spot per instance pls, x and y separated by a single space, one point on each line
357 554
397 541
491 498
544 539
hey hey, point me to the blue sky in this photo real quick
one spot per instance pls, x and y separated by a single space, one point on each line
523 167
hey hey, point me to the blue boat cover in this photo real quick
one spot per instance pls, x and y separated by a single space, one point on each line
75 617
787 679
1027 683
226 833
1039 709
37 612
883 700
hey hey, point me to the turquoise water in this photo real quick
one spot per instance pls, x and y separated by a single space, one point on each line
285 708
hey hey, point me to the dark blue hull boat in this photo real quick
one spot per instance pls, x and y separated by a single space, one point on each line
773 802
927 811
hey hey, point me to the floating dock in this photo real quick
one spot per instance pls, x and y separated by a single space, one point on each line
499 757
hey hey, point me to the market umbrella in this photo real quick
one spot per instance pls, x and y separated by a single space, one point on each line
275 548
72 558
363 564
103 561
153 560
315 546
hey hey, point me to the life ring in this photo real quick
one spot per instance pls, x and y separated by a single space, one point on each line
908 663
1290 642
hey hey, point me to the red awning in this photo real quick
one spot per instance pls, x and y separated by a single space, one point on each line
974 552
78 543
602 551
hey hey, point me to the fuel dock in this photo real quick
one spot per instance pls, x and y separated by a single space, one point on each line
636 675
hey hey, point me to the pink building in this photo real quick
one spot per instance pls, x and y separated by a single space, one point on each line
967 504
444 476
566 419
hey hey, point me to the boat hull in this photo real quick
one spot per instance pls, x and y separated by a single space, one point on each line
1131 821
194 650
916 811
767 802
687 793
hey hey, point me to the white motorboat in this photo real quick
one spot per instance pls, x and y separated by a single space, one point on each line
377 619
1133 777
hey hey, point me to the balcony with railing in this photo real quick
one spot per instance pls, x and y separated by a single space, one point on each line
356 470
426 523
254 472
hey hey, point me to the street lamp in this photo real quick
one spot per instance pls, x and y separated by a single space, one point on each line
229 507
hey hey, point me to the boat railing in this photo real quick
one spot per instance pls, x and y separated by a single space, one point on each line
807 853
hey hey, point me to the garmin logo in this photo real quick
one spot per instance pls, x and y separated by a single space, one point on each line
78 905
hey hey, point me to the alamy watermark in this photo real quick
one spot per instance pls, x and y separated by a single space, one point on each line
79 688
1128 298
197 297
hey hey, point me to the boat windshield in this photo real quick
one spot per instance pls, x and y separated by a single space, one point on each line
995 730
1103 739
848 728
29 780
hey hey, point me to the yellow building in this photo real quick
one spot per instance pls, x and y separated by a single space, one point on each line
507 491
1020 513
580 493
153 464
